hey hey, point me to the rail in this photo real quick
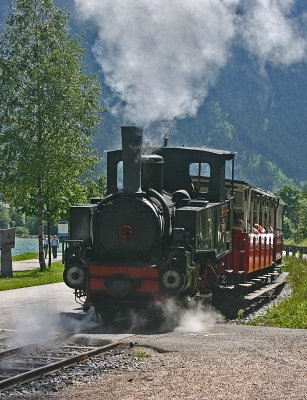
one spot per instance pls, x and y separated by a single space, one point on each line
27 363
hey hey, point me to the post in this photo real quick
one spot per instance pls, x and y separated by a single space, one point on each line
7 242
63 229
49 244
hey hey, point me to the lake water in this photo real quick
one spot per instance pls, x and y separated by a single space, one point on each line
26 245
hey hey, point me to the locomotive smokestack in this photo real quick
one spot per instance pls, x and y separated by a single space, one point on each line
132 146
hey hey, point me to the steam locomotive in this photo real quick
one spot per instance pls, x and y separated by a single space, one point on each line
173 226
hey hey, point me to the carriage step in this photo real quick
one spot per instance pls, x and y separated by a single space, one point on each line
273 273
272 286
246 285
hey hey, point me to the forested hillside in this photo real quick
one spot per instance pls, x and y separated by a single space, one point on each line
259 114
256 109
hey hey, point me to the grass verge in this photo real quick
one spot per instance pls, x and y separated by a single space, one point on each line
35 277
25 256
291 312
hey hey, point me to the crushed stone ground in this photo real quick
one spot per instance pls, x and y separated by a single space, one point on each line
224 362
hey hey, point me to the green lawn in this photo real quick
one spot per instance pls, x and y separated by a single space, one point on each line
33 278
25 256
291 312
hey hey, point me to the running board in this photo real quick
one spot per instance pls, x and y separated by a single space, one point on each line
271 286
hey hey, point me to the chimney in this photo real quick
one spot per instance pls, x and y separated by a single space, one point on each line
132 148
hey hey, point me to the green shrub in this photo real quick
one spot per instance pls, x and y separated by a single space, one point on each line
21 230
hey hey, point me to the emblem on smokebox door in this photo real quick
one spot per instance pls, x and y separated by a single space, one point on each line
125 232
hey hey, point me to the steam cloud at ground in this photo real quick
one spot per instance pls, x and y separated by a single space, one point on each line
37 323
161 57
194 318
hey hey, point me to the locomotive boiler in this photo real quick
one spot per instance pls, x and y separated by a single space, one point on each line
168 227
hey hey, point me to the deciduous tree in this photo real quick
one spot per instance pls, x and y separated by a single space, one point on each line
291 196
49 109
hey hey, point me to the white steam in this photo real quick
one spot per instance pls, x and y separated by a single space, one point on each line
35 324
270 33
194 318
161 56
199 319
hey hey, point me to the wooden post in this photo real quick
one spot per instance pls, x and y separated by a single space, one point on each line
7 242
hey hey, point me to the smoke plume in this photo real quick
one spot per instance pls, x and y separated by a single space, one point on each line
162 56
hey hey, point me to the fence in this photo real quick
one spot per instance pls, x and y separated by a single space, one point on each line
295 251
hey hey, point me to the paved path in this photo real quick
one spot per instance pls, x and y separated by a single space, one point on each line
31 264
38 308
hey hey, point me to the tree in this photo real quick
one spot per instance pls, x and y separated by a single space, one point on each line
17 219
4 217
96 188
291 196
49 109
302 226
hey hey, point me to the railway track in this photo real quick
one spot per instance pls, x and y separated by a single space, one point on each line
26 363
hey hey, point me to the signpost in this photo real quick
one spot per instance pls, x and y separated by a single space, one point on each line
7 242
63 230
63 234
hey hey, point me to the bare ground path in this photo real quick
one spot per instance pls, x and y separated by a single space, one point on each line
32 264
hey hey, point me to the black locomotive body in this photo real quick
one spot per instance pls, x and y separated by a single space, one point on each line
165 229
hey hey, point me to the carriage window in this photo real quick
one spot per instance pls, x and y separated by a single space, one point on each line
200 174
120 175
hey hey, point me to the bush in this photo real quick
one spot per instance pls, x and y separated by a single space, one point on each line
21 230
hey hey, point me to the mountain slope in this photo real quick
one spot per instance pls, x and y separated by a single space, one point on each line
259 111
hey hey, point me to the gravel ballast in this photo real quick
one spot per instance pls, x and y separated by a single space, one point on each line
222 362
